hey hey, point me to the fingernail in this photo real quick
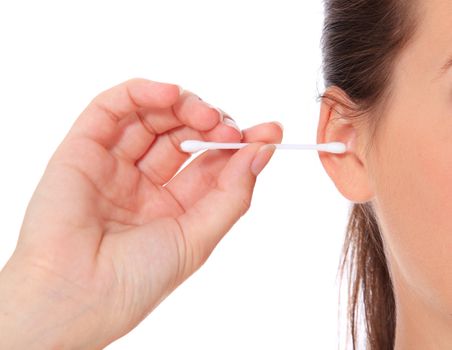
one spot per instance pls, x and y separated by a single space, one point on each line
262 158
279 124
221 115
230 122
181 90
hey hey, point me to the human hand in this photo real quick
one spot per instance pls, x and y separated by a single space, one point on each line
110 230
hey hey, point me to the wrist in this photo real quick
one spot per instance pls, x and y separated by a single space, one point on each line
23 320
36 313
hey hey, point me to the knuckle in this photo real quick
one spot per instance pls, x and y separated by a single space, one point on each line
135 80
174 141
99 96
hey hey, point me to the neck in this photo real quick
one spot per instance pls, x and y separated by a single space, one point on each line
420 323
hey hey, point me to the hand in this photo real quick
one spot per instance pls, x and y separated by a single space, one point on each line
111 230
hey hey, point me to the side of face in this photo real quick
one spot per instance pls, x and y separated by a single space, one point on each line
408 173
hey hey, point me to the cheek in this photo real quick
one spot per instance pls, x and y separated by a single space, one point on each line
413 199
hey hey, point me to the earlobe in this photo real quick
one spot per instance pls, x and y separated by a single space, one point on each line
347 170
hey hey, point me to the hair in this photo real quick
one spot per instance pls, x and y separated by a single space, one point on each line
361 40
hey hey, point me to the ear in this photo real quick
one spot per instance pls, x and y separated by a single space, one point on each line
347 170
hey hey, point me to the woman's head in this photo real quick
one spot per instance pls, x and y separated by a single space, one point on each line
389 97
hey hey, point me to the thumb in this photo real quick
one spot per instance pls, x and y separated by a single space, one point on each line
209 219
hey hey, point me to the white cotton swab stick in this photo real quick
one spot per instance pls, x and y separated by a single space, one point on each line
192 146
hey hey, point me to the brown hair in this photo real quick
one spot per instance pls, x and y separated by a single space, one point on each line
361 40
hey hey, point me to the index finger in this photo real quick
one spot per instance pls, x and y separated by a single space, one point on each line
99 121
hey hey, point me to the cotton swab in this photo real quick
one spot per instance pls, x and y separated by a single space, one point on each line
192 146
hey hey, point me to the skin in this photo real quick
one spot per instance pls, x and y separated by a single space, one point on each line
407 176
110 230
65 289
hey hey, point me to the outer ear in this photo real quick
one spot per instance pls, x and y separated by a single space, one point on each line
348 170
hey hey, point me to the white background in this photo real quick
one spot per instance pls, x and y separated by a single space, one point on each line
271 282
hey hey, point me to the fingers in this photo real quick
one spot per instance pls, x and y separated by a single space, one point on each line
99 121
216 189
207 221
127 119
165 158
194 112
201 175
189 110
140 129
